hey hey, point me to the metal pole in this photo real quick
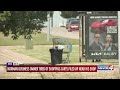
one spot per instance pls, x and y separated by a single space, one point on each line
48 36
119 39
49 28
52 21
80 29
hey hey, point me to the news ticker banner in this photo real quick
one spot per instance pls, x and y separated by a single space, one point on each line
57 68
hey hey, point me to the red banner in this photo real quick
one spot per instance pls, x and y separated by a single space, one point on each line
50 68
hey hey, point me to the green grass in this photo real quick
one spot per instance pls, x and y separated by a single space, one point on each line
38 39
41 52
42 46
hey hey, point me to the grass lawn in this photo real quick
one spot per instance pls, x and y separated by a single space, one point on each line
38 39
42 46
41 52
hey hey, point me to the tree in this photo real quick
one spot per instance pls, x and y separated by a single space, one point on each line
21 22
69 14
51 13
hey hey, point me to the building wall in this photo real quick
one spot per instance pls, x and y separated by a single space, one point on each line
57 20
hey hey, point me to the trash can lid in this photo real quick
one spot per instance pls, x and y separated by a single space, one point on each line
60 47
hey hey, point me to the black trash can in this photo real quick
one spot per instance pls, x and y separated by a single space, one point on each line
56 56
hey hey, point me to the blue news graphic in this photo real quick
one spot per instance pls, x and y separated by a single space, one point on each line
105 67
9 64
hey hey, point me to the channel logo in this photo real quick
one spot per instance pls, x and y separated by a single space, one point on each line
105 67
111 67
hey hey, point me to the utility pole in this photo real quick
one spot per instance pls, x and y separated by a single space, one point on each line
48 35
52 21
